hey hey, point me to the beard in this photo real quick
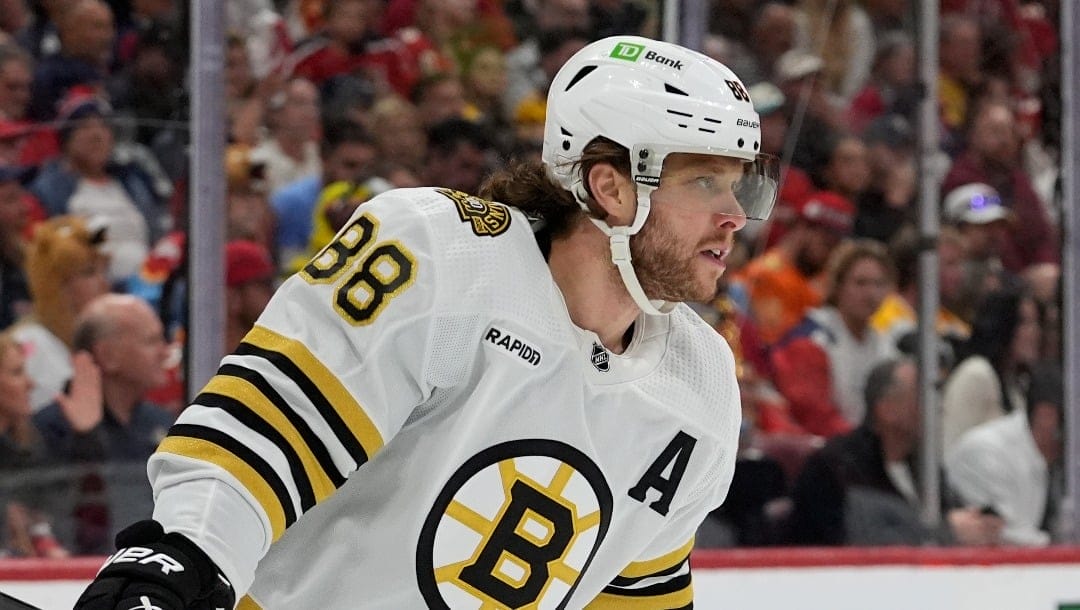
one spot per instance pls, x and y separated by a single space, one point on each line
664 271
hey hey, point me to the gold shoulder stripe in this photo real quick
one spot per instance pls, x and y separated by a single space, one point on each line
253 399
642 569
676 599
247 476
325 382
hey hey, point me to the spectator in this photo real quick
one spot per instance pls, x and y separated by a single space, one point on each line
350 44
783 282
821 365
36 143
897 316
22 451
458 29
439 97
891 88
247 210
14 218
845 167
543 50
348 154
992 157
148 89
86 32
863 487
993 365
1006 464
249 283
458 155
263 31
291 151
245 95
16 73
66 268
145 19
484 79
886 204
813 113
115 425
978 214
399 137
337 202
960 73
841 33
772 33
89 181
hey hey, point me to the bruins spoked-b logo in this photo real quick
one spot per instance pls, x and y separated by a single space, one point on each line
515 527
487 217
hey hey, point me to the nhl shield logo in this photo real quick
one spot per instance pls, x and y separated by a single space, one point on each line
599 357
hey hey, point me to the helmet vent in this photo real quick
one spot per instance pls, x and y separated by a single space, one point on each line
712 120
675 90
566 133
706 130
582 73
685 114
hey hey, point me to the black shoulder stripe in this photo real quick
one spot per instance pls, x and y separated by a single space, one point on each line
251 458
313 442
661 588
317 398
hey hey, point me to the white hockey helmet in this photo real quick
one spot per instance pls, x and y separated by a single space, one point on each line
654 98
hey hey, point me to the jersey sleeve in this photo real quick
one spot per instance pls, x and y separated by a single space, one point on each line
329 374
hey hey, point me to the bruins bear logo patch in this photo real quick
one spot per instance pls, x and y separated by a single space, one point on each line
488 218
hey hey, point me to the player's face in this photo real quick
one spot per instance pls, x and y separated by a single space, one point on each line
680 252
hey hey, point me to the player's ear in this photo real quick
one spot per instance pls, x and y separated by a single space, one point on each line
613 192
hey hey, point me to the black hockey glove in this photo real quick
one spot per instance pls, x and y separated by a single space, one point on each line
152 569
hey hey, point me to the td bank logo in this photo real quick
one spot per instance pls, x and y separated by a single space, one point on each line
627 51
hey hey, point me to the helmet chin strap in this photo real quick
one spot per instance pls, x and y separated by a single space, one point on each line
619 244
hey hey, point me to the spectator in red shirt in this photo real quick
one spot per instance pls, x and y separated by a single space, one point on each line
992 157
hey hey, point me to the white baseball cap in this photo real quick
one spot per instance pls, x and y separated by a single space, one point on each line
974 203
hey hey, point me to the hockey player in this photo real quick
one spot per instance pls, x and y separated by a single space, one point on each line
483 403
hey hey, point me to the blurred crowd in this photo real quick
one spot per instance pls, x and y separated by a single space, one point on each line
331 102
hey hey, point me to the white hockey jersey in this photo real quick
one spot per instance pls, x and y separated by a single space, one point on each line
415 422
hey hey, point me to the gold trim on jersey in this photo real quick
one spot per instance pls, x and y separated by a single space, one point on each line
326 382
676 592
258 403
667 561
246 603
256 485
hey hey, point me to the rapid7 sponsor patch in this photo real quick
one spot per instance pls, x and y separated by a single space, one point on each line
513 345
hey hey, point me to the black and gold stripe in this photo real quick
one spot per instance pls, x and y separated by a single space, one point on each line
247 466
250 399
336 405
675 593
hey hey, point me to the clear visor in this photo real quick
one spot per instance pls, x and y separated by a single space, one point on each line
710 180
